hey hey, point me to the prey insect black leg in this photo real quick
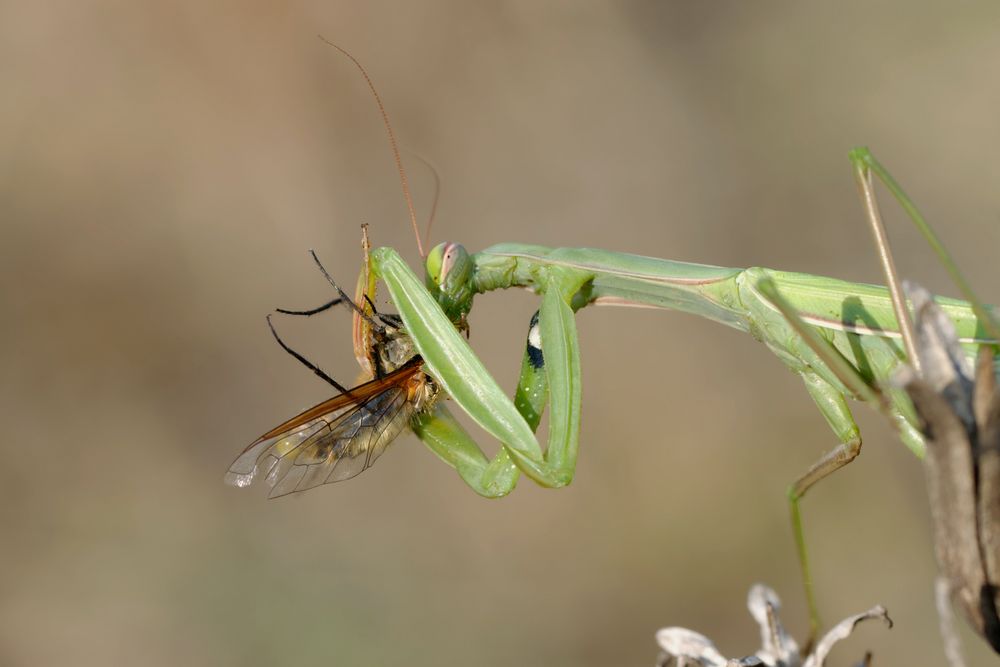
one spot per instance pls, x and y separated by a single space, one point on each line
343 295
312 311
388 319
305 362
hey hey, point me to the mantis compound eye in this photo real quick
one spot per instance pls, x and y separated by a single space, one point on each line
449 269
448 265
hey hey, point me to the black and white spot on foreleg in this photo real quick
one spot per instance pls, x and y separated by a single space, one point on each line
534 347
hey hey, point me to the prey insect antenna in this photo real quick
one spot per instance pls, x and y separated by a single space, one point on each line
305 362
312 311
392 143
343 295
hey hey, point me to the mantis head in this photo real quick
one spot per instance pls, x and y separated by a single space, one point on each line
449 273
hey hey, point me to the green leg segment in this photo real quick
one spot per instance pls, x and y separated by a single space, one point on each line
833 405
445 436
817 352
460 373
442 433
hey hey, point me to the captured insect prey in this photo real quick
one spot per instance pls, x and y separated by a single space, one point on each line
339 438
344 435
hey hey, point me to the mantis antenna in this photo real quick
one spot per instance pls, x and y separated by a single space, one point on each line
392 143
437 195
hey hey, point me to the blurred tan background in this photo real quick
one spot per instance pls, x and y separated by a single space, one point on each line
165 166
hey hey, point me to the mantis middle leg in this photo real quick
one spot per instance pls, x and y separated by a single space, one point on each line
830 379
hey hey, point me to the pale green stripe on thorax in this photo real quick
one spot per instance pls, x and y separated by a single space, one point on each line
708 291
859 308
618 279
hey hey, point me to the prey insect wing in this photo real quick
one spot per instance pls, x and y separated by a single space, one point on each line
337 439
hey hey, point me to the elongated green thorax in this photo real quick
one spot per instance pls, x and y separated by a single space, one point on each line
449 268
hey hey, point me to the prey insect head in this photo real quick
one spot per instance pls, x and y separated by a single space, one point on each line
449 269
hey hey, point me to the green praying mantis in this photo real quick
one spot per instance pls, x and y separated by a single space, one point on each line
856 320
843 339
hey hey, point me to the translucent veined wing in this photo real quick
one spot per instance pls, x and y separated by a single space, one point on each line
337 439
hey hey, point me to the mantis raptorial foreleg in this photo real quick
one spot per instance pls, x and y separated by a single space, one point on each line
446 437
450 360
